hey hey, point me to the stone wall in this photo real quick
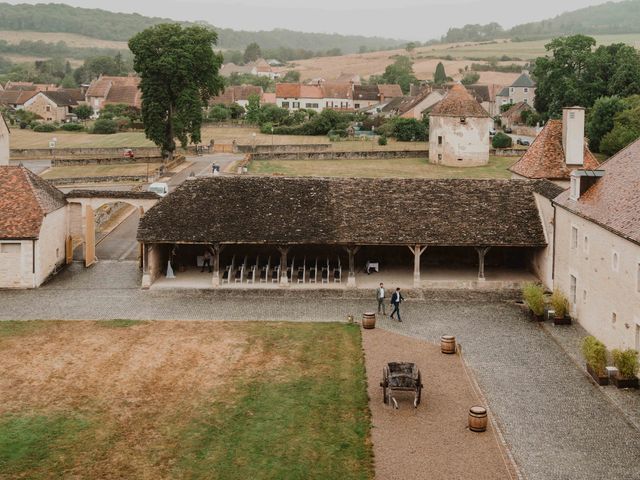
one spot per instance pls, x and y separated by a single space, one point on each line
112 179
459 142
72 162
311 147
87 153
330 155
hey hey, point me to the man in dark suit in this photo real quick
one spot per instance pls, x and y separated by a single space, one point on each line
396 298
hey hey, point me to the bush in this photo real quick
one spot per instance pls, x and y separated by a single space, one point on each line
382 140
45 127
560 303
533 295
626 361
409 130
595 354
219 113
72 127
502 140
266 128
105 126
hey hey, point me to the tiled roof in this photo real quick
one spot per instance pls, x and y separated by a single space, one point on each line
458 103
481 93
102 86
362 211
16 97
298 90
390 90
125 94
516 110
614 201
545 156
75 93
366 92
523 80
25 199
336 90
268 97
61 98
234 93
311 91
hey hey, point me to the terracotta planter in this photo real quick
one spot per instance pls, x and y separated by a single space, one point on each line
622 382
566 320
604 380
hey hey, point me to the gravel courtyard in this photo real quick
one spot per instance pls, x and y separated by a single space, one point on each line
557 424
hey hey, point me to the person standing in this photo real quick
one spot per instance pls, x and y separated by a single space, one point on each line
206 261
380 294
396 299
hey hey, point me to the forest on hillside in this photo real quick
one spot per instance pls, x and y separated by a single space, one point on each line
106 25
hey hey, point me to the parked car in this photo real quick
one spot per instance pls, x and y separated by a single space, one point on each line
522 142
162 189
507 130
492 132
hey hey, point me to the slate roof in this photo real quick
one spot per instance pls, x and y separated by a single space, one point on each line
363 211
25 199
523 80
366 92
614 201
545 156
504 92
458 103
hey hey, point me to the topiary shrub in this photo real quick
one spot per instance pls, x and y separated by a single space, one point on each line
72 127
382 140
533 296
626 361
45 127
502 140
105 126
595 354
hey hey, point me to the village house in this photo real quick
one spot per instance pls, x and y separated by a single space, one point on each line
237 94
53 106
522 90
114 90
513 116
365 96
597 248
259 68
459 130
294 96
15 99
32 228
38 87
337 96
558 149
412 106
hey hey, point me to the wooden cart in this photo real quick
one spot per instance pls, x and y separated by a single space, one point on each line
401 377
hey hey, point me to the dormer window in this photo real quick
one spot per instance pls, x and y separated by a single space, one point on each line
463 120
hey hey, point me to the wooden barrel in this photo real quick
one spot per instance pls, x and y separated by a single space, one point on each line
448 344
477 419
368 320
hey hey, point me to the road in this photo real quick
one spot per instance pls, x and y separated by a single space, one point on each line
120 244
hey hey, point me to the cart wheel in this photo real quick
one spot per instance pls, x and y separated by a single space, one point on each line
384 395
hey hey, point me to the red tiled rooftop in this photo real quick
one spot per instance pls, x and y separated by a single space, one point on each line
458 103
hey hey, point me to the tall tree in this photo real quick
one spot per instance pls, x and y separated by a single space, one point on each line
252 52
440 76
400 72
600 119
178 74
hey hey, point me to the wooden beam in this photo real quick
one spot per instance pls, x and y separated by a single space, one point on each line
216 248
417 253
482 251
352 251
283 265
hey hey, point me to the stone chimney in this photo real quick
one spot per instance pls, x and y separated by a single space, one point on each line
573 135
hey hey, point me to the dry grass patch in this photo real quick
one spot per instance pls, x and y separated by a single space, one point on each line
128 399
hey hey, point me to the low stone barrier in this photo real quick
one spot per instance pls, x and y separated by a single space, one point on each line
110 153
112 179
508 152
73 162
330 155
311 147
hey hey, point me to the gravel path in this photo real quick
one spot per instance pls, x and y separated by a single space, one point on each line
432 441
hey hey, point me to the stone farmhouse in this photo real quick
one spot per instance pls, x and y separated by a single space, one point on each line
113 90
522 90
237 94
260 68
459 130
55 106
513 116
558 149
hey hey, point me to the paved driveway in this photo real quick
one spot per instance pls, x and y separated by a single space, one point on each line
558 425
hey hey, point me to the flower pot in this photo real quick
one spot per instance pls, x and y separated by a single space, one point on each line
622 382
566 320
604 380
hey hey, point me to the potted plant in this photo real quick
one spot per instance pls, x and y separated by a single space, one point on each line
595 354
533 296
626 361
560 305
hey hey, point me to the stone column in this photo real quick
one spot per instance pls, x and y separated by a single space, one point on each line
351 280
482 251
417 253
146 274
216 248
284 280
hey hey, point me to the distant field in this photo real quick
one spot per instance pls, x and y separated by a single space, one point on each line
392 168
71 39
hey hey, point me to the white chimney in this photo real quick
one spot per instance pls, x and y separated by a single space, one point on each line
573 135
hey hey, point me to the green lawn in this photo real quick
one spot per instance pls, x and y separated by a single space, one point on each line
291 402
405 167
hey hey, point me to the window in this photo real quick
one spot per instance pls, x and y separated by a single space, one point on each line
10 248
526 90
439 156
513 89
574 194
574 237
615 261
439 140
573 283
311 105
584 295
295 105
285 104
585 245
356 105
47 108
572 115
637 335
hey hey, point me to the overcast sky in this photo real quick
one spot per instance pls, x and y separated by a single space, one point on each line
405 19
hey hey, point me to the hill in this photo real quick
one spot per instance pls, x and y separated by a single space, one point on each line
105 25
607 19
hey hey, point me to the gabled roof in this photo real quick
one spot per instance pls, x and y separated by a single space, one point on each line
298 90
103 85
366 92
283 210
16 97
545 156
516 109
614 201
458 103
234 93
480 92
523 80
504 92
336 90
390 90
61 98
25 199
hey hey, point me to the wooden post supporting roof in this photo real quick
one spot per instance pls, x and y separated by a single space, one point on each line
417 253
284 280
352 250
216 248
482 251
